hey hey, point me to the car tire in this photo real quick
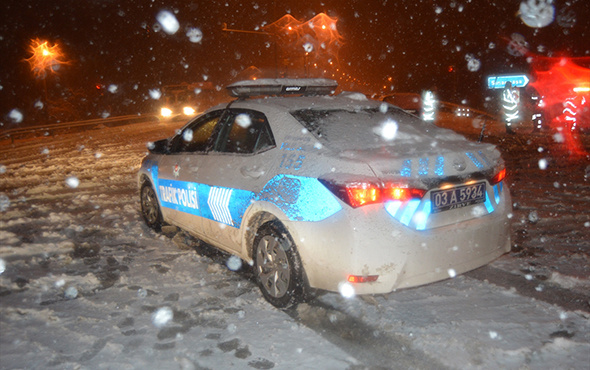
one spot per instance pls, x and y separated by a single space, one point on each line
150 208
277 266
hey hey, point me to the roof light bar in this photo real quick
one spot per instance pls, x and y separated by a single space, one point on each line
282 86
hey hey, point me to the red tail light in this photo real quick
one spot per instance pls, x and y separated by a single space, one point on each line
395 192
363 194
357 194
498 177
362 279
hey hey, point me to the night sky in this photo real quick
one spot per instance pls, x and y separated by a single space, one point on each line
414 43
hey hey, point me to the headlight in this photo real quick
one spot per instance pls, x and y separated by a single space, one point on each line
166 112
188 111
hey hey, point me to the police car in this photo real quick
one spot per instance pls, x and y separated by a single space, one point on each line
330 192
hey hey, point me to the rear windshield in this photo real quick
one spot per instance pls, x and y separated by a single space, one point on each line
361 128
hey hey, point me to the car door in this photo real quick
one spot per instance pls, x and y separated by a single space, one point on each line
179 185
236 170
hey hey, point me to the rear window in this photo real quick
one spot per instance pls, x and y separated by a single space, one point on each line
362 128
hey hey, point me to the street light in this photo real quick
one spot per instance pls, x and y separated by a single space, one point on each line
45 58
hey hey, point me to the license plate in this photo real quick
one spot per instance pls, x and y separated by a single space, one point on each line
458 197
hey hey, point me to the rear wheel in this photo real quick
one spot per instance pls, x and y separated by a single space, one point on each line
277 265
150 208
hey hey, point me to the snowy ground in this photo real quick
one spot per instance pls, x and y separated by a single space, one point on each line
85 284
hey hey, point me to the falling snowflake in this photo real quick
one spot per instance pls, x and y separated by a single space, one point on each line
558 138
517 46
308 47
537 13
473 64
543 164
16 116
232 328
387 130
113 88
162 317
234 263
194 35
155 94
243 120
72 182
168 22
187 135
346 290
71 293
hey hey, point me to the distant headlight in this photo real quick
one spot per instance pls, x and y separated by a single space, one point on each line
166 112
188 111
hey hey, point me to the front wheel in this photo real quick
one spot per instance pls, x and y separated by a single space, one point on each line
277 265
150 208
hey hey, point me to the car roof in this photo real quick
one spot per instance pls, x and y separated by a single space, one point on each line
343 101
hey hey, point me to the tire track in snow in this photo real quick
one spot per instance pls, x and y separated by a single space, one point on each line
373 347
556 295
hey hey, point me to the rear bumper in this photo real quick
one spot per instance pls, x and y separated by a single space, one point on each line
367 241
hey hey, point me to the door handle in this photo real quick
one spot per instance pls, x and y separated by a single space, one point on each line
253 172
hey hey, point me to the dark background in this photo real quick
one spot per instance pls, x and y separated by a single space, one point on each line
388 46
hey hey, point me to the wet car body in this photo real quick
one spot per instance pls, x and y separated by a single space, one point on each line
329 192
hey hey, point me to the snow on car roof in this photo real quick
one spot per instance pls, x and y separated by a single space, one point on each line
345 100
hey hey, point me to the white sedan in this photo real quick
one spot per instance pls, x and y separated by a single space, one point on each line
332 192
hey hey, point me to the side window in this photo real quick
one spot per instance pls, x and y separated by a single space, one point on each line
249 132
198 135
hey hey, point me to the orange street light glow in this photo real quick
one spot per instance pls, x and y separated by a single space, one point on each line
45 57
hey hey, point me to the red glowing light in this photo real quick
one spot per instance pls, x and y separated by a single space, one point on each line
500 176
364 194
557 83
362 279
563 86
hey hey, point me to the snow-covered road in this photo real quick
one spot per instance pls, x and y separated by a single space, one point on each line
85 284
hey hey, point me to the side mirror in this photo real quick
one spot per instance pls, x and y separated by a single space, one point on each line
160 147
